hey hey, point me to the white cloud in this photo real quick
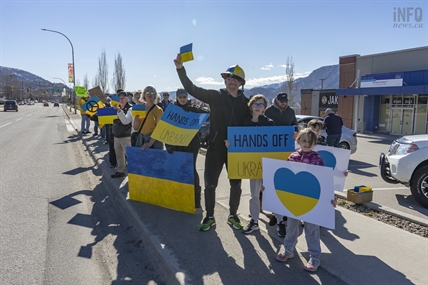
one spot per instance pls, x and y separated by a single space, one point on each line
267 67
209 81
265 80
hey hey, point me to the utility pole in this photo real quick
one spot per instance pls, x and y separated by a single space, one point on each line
322 83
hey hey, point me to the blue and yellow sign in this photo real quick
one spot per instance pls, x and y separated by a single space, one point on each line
178 127
159 178
106 116
248 145
92 105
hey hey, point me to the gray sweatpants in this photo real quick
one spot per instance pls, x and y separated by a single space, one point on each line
312 236
255 187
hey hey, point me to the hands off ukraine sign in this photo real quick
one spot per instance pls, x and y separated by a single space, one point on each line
248 145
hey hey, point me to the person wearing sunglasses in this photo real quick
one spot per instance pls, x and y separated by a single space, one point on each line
228 107
153 115
165 100
182 101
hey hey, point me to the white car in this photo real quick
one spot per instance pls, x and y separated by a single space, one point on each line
407 163
348 139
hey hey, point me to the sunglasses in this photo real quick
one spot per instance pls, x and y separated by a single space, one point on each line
150 93
181 97
233 79
165 95
258 104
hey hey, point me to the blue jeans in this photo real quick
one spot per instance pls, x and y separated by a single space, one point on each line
84 125
333 140
103 132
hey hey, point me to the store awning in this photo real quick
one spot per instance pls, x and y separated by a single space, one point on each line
417 89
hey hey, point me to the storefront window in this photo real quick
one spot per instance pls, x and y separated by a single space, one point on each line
421 115
397 100
384 113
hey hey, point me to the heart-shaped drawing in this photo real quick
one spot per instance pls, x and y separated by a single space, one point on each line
328 158
299 193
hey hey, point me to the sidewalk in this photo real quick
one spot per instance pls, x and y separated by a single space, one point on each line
360 250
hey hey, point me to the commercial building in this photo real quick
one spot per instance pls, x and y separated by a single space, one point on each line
386 92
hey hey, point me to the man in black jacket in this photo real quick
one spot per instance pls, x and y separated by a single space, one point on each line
122 133
333 126
228 107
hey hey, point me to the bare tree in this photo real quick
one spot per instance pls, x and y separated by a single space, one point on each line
119 79
102 76
289 72
86 81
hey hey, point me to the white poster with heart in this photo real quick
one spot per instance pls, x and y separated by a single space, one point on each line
338 160
298 190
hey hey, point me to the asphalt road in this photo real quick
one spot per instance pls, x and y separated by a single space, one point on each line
59 222
364 170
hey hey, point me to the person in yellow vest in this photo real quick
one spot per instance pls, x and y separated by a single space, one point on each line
86 122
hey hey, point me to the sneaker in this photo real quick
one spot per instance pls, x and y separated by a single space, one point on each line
88 132
280 228
207 223
312 264
252 226
118 174
284 254
234 221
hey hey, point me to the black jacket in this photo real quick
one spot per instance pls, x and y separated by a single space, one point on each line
120 130
281 118
333 124
225 110
263 121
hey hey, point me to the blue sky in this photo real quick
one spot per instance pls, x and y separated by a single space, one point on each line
257 35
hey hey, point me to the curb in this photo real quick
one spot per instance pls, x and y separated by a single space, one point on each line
387 210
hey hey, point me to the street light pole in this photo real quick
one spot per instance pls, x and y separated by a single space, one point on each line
72 55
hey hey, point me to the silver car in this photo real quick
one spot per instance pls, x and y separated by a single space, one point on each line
348 140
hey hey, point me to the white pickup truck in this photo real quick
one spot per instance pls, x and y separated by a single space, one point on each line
407 163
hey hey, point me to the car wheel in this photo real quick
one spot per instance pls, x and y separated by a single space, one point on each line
344 145
419 186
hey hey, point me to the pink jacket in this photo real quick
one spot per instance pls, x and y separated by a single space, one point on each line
311 157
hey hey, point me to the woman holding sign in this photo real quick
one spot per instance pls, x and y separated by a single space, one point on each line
183 102
147 124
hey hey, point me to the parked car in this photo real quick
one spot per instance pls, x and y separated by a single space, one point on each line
204 132
46 104
348 140
407 163
56 104
31 103
10 105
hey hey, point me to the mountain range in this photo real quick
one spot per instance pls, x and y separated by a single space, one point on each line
22 79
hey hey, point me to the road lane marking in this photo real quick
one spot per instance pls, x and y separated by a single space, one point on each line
5 125
19 119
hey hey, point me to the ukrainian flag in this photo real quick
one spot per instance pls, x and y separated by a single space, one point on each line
106 116
92 105
159 178
140 110
115 101
186 53
248 145
177 127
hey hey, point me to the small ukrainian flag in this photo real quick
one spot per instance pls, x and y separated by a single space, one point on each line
186 53
106 116
139 110
115 101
